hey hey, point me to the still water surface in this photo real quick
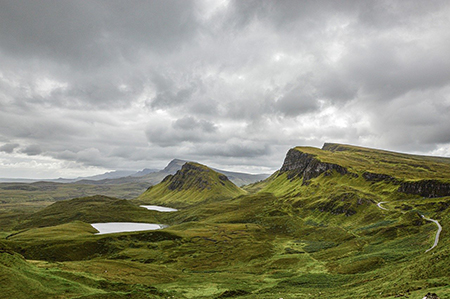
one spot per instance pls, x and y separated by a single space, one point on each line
120 227
159 208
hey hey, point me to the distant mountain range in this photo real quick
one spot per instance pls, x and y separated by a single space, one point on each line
150 176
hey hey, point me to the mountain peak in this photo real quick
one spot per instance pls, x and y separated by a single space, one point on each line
195 175
174 166
192 184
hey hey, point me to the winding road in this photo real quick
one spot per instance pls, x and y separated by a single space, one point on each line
436 239
379 205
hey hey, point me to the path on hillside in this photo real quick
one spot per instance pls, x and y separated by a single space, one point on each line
436 239
379 205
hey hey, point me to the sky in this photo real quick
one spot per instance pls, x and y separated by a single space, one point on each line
93 86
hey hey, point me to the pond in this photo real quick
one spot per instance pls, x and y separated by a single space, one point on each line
120 227
159 208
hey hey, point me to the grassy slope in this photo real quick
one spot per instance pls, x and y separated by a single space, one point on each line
48 191
90 210
261 245
402 166
288 240
34 279
193 184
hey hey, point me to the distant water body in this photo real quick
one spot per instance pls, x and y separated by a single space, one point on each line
120 227
159 208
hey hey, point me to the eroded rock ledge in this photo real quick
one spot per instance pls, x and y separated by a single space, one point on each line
299 164
378 177
426 188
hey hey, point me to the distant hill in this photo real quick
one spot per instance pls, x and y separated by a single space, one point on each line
124 187
174 166
152 176
335 222
90 210
192 184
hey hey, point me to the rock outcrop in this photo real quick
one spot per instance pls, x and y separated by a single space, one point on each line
431 296
379 177
307 166
426 188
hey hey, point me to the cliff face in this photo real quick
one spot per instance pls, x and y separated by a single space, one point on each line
426 188
300 164
378 177
306 163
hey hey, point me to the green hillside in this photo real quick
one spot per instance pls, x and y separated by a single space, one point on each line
90 210
383 174
337 222
193 184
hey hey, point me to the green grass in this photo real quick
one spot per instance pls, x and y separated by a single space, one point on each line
193 184
283 239
91 209
48 191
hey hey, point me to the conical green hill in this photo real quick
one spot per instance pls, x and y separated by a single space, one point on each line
194 183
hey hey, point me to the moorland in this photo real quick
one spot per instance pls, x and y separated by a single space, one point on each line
339 221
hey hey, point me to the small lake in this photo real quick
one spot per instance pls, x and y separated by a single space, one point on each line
159 208
120 227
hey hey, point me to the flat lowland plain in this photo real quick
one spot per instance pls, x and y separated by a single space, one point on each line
311 230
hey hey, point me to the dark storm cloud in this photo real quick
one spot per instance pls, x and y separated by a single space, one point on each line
119 84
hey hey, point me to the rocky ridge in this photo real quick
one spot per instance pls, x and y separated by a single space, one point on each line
302 164
307 166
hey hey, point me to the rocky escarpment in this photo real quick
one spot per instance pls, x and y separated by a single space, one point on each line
307 166
379 177
426 188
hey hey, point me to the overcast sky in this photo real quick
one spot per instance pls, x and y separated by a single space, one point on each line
92 86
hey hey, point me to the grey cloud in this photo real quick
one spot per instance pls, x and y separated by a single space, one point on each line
283 14
95 32
237 148
297 102
190 123
9 148
171 97
116 83
382 15
186 129
32 150
417 121
334 86
40 128
388 73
